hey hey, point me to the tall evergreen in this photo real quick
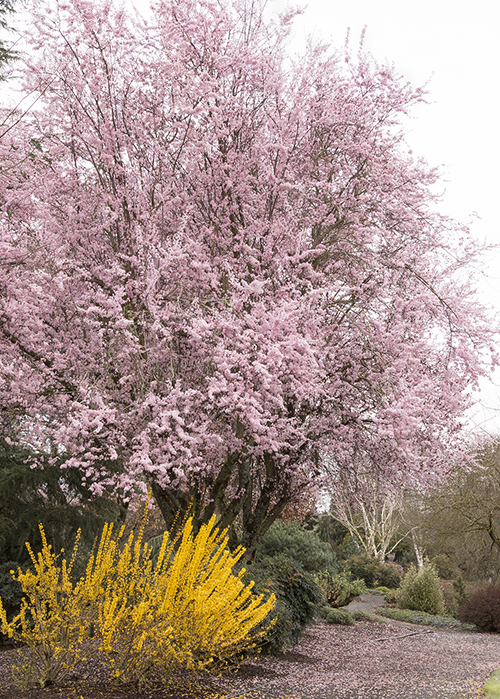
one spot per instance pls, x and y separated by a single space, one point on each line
6 53
52 495
47 494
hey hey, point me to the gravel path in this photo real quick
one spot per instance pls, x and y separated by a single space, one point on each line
373 661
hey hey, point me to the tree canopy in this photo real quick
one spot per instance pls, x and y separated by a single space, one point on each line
223 272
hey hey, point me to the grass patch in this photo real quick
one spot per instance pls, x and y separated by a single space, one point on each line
424 619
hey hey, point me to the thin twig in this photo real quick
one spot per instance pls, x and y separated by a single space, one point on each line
391 638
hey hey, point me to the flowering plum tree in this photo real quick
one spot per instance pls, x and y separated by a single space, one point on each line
223 271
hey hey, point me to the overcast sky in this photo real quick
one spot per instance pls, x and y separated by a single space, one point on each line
454 47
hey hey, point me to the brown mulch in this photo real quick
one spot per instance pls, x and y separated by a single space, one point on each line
366 661
86 689
90 683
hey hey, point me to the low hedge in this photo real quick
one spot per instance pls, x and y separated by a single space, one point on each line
423 618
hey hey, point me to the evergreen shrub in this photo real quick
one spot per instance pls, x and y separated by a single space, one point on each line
361 615
54 495
373 572
329 529
339 589
421 591
349 547
297 599
11 591
482 609
340 616
460 591
303 546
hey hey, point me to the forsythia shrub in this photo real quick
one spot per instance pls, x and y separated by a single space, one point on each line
53 619
421 591
187 610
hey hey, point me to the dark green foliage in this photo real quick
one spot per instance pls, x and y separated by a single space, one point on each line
349 547
6 54
404 553
340 616
305 547
361 615
50 495
482 609
373 572
339 589
421 591
10 590
298 597
328 529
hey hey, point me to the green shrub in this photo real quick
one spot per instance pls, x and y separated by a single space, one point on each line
349 547
340 616
422 618
297 599
53 495
329 529
361 615
383 590
482 609
293 541
339 589
11 591
421 591
374 572
323 611
389 595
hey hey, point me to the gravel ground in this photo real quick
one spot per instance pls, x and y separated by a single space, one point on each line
373 661
365 661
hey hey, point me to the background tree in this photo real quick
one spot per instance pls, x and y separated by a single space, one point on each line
223 271
328 529
373 518
6 51
461 516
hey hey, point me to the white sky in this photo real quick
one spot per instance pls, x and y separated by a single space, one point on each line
455 48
